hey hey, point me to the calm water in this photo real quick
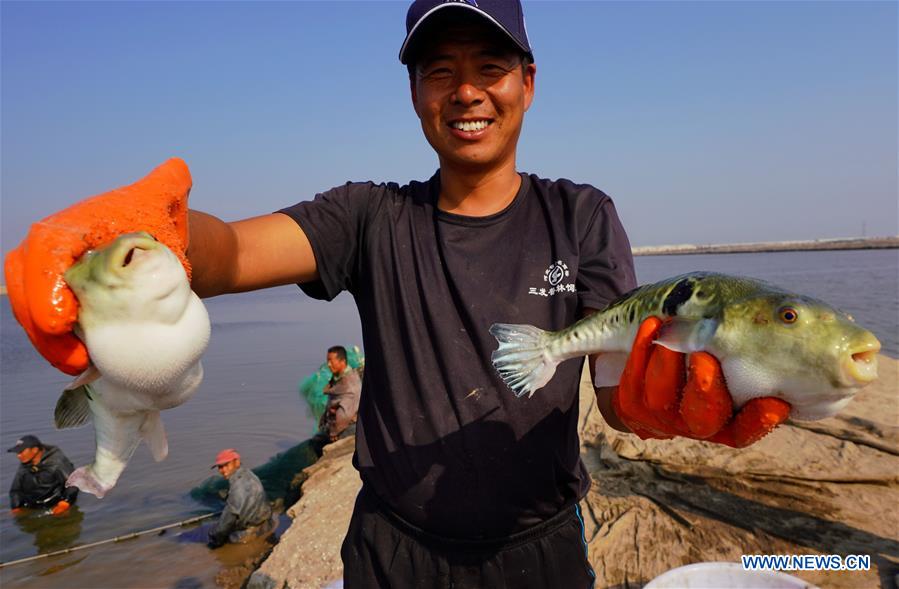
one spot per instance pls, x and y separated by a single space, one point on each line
262 345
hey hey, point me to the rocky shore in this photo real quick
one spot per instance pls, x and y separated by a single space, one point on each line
826 487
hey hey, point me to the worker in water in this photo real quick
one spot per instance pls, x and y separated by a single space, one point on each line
40 481
247 513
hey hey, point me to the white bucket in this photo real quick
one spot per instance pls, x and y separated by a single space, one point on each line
724 575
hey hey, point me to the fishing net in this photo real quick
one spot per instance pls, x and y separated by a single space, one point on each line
279 474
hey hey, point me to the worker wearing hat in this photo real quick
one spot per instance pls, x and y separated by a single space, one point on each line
40 481
247 513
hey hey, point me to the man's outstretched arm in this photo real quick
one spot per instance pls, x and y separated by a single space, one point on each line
224 257
270 250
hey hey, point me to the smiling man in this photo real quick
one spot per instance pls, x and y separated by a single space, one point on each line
464 485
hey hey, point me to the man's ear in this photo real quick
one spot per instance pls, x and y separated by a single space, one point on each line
413 92
529 77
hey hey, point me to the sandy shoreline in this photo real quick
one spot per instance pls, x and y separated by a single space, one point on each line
828 487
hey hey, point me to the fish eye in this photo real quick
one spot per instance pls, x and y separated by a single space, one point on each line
787 315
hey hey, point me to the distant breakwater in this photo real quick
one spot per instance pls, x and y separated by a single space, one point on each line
839 243
849 243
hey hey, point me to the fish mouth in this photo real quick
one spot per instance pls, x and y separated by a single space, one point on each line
860 364
131 248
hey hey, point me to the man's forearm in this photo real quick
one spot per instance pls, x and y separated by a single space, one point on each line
212 253
260 252
225 525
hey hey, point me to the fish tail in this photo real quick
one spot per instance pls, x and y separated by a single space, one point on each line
523 358
86 479
116 439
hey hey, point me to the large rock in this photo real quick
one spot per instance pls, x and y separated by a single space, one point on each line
827 487
308 555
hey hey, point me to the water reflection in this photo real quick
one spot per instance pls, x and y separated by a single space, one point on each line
49 532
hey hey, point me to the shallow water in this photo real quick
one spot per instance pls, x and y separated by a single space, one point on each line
262 345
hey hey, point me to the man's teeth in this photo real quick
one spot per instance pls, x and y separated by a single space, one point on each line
470 125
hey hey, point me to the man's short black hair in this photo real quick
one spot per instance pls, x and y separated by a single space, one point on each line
339 350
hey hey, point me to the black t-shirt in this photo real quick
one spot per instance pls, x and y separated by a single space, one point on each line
440 438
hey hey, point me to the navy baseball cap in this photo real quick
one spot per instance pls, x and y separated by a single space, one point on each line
506 15
28 441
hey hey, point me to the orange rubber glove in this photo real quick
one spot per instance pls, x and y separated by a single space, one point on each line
16 510
61 507
657 398
40 298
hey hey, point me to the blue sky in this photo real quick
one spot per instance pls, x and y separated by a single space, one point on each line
707 122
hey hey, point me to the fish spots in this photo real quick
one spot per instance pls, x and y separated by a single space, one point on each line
632 315
679 295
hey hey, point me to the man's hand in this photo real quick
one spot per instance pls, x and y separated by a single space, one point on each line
61 507
40 298
215 541
657 398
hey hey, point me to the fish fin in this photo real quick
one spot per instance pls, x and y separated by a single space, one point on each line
154 435
85 378
687 336
72 408
521 358
84 478
608 368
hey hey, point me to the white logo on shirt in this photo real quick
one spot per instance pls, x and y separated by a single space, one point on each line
555 275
